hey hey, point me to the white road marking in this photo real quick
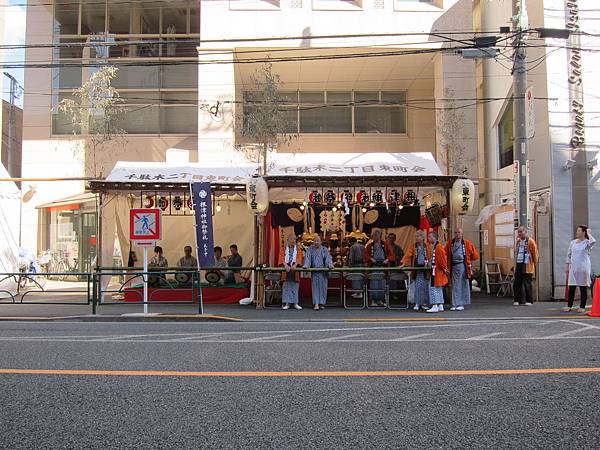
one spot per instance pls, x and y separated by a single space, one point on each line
306 330
266 338
339 338
483 337
197 337
299 341
410 338
583 324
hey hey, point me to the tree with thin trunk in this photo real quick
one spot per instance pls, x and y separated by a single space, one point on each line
95 110
265 122
450 127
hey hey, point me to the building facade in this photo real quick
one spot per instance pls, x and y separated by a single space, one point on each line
357 76
564 144
360 76
153 45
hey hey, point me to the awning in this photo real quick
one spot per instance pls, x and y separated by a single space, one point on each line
284 170
70 201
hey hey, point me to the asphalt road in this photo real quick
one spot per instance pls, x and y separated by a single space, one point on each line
154 385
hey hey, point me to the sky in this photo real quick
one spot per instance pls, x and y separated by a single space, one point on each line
14 34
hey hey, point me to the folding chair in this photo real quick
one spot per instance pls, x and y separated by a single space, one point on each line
338 288
357 293
507 284
398 287
273 290
377 276
493 276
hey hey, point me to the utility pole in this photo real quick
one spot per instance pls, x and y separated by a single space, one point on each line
521 144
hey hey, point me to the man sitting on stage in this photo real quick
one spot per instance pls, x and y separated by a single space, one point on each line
220 262
234 260
187 261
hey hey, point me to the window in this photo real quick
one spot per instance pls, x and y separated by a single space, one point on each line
325 112
61 122
506 137
66 17
85 17
93 17
380 112
333 111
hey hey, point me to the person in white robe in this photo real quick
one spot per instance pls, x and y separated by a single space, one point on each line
579 267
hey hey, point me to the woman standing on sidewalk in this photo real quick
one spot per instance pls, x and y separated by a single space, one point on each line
579 266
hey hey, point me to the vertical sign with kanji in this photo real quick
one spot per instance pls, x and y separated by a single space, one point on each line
201 195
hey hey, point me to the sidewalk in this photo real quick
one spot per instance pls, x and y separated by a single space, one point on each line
483 307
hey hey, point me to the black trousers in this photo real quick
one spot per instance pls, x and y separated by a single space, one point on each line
582 291
523 283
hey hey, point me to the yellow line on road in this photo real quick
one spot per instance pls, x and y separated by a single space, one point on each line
569 317
308 374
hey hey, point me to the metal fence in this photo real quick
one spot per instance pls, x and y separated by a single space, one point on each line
350 287
33 288
184 283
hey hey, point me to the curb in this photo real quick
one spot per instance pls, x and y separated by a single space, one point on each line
126 318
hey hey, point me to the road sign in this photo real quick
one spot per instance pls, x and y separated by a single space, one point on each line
144 243
145 224
529 113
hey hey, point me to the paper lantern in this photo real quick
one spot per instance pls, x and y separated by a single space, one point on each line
315 197
177 203
347 195
462 196
362 197
149 202
257 195
163 203
394 196
378 196
330 197
410 198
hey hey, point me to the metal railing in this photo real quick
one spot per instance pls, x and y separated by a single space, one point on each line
34 288
365 290
130 288
99 287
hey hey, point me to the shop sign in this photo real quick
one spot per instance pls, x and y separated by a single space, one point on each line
575 76
202 202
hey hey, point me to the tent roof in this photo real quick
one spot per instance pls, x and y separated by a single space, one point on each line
285 170
70 200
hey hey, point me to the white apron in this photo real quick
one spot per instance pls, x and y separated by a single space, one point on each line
581 265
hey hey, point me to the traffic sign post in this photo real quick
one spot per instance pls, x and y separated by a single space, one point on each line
144 230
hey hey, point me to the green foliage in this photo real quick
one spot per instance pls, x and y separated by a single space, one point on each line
95 110
265 122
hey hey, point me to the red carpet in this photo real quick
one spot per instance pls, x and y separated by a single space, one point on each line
215 296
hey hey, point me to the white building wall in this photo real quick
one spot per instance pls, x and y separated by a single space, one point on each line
550 148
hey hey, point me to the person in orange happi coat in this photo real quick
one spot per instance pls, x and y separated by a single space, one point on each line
291 258
439 274
461 253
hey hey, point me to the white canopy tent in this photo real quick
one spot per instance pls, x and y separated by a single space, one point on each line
289 177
